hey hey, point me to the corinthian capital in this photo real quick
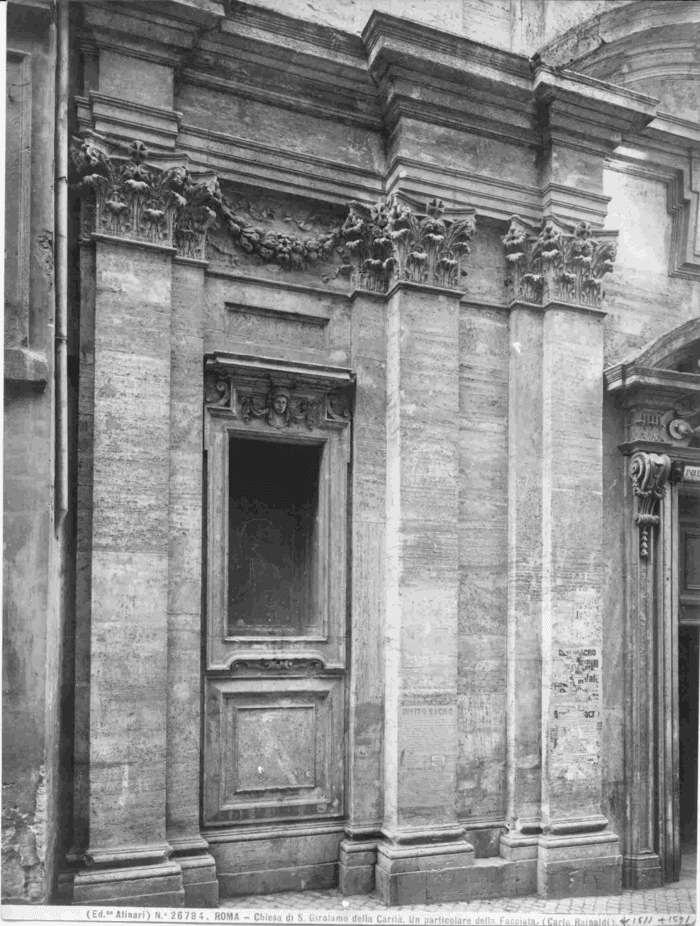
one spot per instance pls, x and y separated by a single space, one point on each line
560 262
137 201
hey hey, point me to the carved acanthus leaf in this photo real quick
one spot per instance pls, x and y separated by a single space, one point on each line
389 241
137 201
564 263
649 473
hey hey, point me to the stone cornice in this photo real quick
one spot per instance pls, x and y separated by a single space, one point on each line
313 38
662 407
633 376
581 112
288 63
395 38
162 33
123 120
463 84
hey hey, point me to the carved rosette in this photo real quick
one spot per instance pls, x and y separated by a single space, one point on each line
649 473
563 263
280 407
139 202
389 241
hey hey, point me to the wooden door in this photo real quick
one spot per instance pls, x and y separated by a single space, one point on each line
688 653
275 675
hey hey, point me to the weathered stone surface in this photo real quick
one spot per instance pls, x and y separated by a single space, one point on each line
474 505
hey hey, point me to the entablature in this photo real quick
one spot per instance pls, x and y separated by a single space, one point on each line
662 409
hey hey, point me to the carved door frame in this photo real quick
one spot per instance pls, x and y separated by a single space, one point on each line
248 674
656 403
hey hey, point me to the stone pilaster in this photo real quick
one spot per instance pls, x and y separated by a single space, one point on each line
524 656
190 849
577 855
358 851
423 855
556 278
564 268
128 855
144 493
648 475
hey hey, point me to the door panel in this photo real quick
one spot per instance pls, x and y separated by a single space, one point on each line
273 748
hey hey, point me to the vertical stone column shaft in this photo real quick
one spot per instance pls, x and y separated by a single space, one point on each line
185 587
366 718
575 856
423 854
524 582
128 687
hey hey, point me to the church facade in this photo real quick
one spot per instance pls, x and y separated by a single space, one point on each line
352 449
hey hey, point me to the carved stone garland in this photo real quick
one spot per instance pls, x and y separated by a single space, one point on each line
280 407
564 263
139 202
649 473
378 244
389 241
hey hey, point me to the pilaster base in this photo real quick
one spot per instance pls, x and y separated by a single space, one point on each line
422 873
641 872
159 885
358 858
198 871
518 846
579 865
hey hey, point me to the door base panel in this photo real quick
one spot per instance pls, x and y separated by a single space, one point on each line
318 877
641 872
265 862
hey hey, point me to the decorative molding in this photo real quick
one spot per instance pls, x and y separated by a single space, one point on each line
562 263
391 242
297 664
280 405
138 202
169 207
649 473
278 394
662 407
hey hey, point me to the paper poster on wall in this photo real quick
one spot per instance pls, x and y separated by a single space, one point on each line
575 727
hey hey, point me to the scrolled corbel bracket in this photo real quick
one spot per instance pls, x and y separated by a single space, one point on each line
649 473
